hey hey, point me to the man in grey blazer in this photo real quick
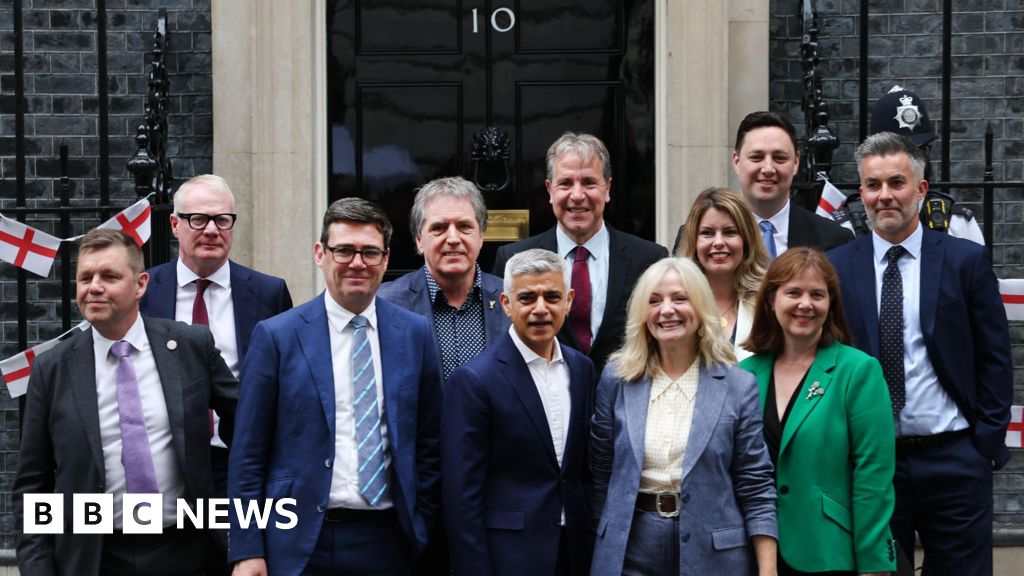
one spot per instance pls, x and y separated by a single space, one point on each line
82 431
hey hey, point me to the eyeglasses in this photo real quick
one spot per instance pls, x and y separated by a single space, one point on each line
345 254
199 221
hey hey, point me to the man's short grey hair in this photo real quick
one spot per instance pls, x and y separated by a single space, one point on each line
211 182
453 187
586 146
533 261
889 144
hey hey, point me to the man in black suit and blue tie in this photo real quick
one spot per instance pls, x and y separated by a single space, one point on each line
927 305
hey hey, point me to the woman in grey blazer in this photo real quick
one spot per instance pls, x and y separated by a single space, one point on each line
683 483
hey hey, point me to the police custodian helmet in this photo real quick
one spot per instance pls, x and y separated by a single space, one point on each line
902 112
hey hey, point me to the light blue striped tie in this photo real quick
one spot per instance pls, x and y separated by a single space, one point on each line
768 235
373 473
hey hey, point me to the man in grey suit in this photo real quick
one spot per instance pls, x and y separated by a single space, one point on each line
122 408
448 220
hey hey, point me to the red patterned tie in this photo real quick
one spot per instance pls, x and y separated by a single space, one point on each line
200 316
579 317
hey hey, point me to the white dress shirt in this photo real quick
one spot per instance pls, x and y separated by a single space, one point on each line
929 409
345 471
780 220
597 263
220 310
154 410
552 382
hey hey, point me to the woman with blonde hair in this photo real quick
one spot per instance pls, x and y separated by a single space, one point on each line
722 237
681 473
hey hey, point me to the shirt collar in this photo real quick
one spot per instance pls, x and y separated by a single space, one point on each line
136 336
911 243
339 318
597 245
222 277
529 356
434 288
780 220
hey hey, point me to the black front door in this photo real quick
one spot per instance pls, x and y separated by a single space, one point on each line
411 82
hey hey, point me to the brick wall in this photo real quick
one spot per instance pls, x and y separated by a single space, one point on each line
905 48
60 60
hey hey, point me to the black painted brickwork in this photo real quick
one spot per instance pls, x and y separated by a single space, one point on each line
60 59
905 48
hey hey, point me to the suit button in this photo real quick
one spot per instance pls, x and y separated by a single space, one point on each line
783 489
686 537
686 498
320 508
327 463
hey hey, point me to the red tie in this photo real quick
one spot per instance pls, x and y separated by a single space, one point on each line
579 317
200 316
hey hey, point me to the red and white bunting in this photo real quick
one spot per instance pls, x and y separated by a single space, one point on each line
1012 292
831 201
17 368
134 221
26 247
1015 432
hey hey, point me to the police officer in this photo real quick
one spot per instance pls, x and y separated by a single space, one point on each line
902 112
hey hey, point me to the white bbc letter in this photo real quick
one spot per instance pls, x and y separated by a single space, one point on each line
43 514
143 513
92 514
281 508
218 508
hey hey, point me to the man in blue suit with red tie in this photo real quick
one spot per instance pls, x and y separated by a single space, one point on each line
927 305
514 436
202 286
339 410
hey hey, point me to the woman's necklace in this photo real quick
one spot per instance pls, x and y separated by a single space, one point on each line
729 315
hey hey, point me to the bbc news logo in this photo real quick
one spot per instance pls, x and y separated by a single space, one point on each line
143 513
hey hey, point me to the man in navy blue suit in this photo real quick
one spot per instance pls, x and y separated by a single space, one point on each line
448 220
339 410
202 286
927 305
514 434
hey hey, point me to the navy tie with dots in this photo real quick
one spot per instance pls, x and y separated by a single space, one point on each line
890 327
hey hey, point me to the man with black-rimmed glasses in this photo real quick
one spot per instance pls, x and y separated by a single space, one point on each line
202 286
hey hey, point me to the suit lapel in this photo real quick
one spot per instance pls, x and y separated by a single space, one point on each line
315 341
706 409
420 303
618 267
635 397
578 415
818 377
168 366
244 301
864 283
494 315
393 355
163 292
800 230
518 376
83 388
932 251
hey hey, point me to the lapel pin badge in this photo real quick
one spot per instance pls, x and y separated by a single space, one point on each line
172 345
491 304
816 390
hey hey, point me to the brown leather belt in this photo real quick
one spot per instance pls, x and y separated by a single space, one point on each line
665 503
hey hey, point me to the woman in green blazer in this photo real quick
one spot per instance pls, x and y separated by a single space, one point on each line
827 423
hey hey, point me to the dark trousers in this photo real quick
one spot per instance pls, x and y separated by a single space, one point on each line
435 560
173 553
944 493
371 543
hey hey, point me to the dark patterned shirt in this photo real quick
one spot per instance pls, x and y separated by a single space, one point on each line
460 331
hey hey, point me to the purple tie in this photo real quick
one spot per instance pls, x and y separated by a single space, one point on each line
139 473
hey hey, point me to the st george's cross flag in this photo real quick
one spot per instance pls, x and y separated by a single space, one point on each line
1012 292
17 368
134 221
830 204
1015 432
26 247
